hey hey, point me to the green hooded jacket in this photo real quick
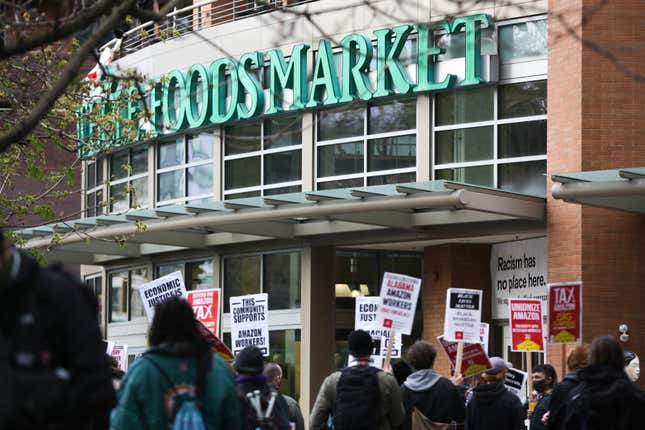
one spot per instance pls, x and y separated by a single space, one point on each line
145 400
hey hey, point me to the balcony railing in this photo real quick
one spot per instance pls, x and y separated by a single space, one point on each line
197 17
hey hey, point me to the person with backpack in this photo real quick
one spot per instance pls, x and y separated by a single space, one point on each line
53 367
578 358
544 381
605 399
359 397
427 396
273 373
178 383
492 406
263 408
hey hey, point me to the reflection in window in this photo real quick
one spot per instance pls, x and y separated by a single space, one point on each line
263 156
523 40
125 299
198 275
128 179
185 169
94 181
385 132
526 178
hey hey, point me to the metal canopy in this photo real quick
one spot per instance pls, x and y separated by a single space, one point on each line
419 210
622 189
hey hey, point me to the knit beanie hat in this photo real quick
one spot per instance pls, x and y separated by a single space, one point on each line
360 343
249 361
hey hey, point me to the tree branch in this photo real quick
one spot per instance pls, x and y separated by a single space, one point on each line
24 127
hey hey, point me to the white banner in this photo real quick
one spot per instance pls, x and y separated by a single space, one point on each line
160 290
517 270
250 322
463 315
366 318
399 294
120 353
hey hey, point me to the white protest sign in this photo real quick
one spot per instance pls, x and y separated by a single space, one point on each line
517 270
250 322
366 318
109 346
463 315
484 330
516 383
399 294
160 290
120 354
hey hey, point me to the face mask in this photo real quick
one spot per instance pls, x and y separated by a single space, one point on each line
539 386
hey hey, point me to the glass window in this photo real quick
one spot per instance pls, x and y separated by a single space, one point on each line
241 277
263 155
466 144
185 169
94 184
284 347
125 299
283 190
392 116
455 44
167 269
128 179
523 40
398 178
478 175
340 123
522 139
378 137
199 275
464 106
522 99
526 178
281 279
389 153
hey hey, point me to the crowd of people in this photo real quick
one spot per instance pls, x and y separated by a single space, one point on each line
55 375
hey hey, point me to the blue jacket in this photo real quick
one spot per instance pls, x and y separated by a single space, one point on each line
145 400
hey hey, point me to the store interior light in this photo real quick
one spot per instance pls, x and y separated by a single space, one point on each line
342 290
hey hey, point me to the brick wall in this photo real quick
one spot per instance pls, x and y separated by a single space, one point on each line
596 99
452 266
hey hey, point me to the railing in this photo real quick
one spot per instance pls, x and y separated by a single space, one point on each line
196 17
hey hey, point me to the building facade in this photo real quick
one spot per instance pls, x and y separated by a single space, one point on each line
339 147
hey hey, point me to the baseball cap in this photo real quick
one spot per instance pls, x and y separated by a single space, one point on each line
498 364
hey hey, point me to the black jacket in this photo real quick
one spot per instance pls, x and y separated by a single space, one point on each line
49 317
435 396
605 399
493 407
541 408
559 399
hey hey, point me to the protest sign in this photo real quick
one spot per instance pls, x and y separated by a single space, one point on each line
565 313
120 354
517 270
516 383
109 346
399 294
463 315
205 304
365 318
160 290
526 325
484 330
250 322
474 359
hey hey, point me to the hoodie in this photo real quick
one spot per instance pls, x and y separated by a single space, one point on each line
493 407
434 396
605 399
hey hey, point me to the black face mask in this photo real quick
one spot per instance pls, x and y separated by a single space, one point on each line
539 386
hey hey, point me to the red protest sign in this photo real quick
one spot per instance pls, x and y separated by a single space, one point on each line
474 360
526 324
565 313
206 304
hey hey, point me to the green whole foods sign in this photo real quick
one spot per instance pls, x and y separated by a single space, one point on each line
229 89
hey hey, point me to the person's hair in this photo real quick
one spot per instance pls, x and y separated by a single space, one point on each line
578 357
493 378
174 322
629 356
401 370
607 351
421 355
549 372
272 371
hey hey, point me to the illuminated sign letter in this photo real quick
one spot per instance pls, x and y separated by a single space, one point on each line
357 55
389 70
174 110
293 76
251 84
324 77
425 65
473 47
198 106
222 112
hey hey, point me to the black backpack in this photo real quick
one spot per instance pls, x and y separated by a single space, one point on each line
272 415
357 399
